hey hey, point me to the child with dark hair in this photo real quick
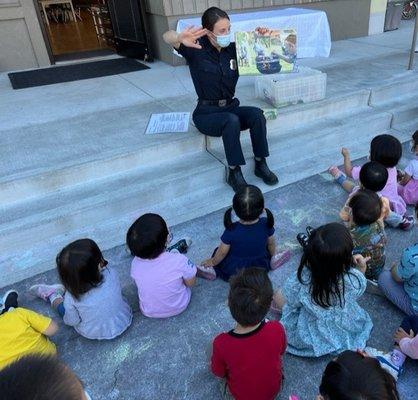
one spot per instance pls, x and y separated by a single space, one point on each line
163 277
90 297
354 375
40 377
408 186
249 357
248 242
319 305
406 345
22 332
386 150
367 230
400 284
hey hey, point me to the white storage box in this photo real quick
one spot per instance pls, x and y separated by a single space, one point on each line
285 89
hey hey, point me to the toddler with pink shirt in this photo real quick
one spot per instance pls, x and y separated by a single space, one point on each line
163 276
387 150
408 186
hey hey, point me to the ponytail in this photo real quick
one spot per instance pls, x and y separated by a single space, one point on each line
228 218
270 219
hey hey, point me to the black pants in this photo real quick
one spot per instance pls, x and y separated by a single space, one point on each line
228 122
410 322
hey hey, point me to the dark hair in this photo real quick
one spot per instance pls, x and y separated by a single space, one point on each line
386 149
250 296
415 140
39 377
248 204
373 176
147 236
328 257
78 266
211 16
366 207
352 376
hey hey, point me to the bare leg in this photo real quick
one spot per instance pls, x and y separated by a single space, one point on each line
278 300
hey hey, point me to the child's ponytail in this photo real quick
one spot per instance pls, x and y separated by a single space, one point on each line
270 219
228 218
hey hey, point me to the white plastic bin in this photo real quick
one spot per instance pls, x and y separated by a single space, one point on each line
281 90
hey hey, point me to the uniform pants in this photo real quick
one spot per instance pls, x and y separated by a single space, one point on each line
228 122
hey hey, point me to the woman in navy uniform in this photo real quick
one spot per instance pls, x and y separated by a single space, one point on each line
212 61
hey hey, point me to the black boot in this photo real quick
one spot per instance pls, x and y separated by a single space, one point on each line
263 171
235 178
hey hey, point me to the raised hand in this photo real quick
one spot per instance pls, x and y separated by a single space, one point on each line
190 35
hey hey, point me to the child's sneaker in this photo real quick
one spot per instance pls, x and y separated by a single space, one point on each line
46 291
337 174
8 301
206 272
181 246
386 361
279 259
407 223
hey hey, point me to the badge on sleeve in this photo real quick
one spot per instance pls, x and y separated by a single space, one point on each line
233 64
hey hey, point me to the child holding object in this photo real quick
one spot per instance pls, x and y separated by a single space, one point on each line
408 185
387 150
248 242
163 278
400 284
23 331
90 297
248 358
319 304
406 345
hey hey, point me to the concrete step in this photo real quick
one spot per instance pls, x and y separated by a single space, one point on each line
105 209
397 90
40 159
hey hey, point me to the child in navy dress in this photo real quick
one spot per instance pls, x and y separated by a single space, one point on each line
249 242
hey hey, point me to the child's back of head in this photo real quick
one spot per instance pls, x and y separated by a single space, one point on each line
327 257
248 205
79 266
366 207
373 176
386 149
250 296
40 377
147 237
353 376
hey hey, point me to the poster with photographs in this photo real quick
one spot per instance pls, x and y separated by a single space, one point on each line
266 51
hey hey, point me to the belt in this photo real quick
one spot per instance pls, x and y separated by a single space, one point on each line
219 103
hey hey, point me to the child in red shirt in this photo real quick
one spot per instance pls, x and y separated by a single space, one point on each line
249 356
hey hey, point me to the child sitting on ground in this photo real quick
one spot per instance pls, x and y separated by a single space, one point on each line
406 339
387 150
400 284
354 375
90 297
163 278
23 332
367 230
408 185
249 242
321 314
40 377
249 357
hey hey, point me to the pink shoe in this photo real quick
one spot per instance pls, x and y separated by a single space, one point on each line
46 291
279 259
206 272
335 172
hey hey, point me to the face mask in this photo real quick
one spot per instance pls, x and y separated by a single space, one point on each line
223 40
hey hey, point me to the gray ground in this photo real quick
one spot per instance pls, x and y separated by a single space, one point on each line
158 359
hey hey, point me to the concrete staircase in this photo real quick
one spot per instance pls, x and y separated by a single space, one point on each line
69 187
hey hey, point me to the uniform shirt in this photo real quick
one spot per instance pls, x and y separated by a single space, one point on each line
21 333
214 73
251 362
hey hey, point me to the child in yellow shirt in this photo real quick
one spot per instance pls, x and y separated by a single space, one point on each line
23 331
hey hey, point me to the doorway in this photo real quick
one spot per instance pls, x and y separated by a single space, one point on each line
77 28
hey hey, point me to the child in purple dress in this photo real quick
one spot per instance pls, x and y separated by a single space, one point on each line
408 186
